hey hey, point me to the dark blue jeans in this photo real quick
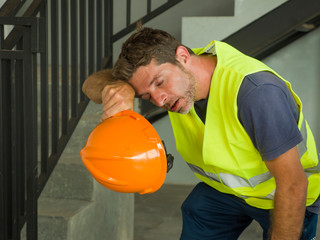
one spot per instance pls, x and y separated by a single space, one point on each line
210 214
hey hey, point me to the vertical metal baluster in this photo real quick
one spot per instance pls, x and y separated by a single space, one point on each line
44 90
98 34
83 44
14 158
54 76
128 12
148 6
91 32
21 161
3 173
5 147
29 103
74 58
108 32
21 175
64 66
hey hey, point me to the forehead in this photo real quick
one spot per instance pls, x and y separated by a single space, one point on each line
143 76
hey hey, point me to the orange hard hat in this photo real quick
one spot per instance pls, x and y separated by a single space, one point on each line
125 154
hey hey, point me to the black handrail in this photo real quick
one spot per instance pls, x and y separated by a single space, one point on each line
39 98
18 125
290 21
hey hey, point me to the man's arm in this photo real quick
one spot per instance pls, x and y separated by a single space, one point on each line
95 83
290 195
115 95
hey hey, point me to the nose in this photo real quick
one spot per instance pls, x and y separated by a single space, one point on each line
159 99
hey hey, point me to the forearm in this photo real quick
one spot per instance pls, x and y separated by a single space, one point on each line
289 212
95 83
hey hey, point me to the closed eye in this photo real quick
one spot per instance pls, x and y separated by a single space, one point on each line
159 83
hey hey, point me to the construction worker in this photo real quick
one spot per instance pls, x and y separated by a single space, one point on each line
238 125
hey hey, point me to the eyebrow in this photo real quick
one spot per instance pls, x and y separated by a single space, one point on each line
152 81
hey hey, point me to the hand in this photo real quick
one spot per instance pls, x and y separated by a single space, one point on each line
116 97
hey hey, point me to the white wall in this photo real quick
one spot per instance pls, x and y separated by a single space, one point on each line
180 173
299 63
199 31
171 20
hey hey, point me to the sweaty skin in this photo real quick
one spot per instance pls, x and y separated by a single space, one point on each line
167 86
175 87
114 95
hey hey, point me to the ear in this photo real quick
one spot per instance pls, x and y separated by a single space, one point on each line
182 55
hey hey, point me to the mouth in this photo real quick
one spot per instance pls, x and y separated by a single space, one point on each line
174 106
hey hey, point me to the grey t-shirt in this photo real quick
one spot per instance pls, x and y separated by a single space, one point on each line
269 114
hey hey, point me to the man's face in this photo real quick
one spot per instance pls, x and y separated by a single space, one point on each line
168 86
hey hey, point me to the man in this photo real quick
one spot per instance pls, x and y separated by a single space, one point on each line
237 124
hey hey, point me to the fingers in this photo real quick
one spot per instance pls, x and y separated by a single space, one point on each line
116 97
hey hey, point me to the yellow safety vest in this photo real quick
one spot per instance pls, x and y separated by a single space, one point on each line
221 153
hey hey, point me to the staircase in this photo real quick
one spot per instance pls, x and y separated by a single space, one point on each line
73 206
199 31
71 39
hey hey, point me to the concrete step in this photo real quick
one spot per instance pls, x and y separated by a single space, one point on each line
70 179
73 206
59 218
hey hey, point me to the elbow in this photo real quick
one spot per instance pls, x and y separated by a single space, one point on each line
296 188
300 187
304 182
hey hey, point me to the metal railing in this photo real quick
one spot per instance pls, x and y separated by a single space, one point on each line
44 59
290 21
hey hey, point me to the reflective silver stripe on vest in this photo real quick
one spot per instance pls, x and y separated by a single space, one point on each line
231 180
302 147
234 181
269 196
200 171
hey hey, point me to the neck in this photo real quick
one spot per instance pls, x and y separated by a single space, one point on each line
202 68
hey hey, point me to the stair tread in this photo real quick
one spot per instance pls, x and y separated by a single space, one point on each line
57 207
71 159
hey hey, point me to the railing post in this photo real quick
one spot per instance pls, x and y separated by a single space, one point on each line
5 140
30 137
12 165
83 44
91 34
2 172
108 32
20 181
74 57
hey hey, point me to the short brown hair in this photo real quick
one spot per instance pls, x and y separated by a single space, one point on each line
143 46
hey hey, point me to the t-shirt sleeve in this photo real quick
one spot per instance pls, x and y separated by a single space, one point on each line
269 114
